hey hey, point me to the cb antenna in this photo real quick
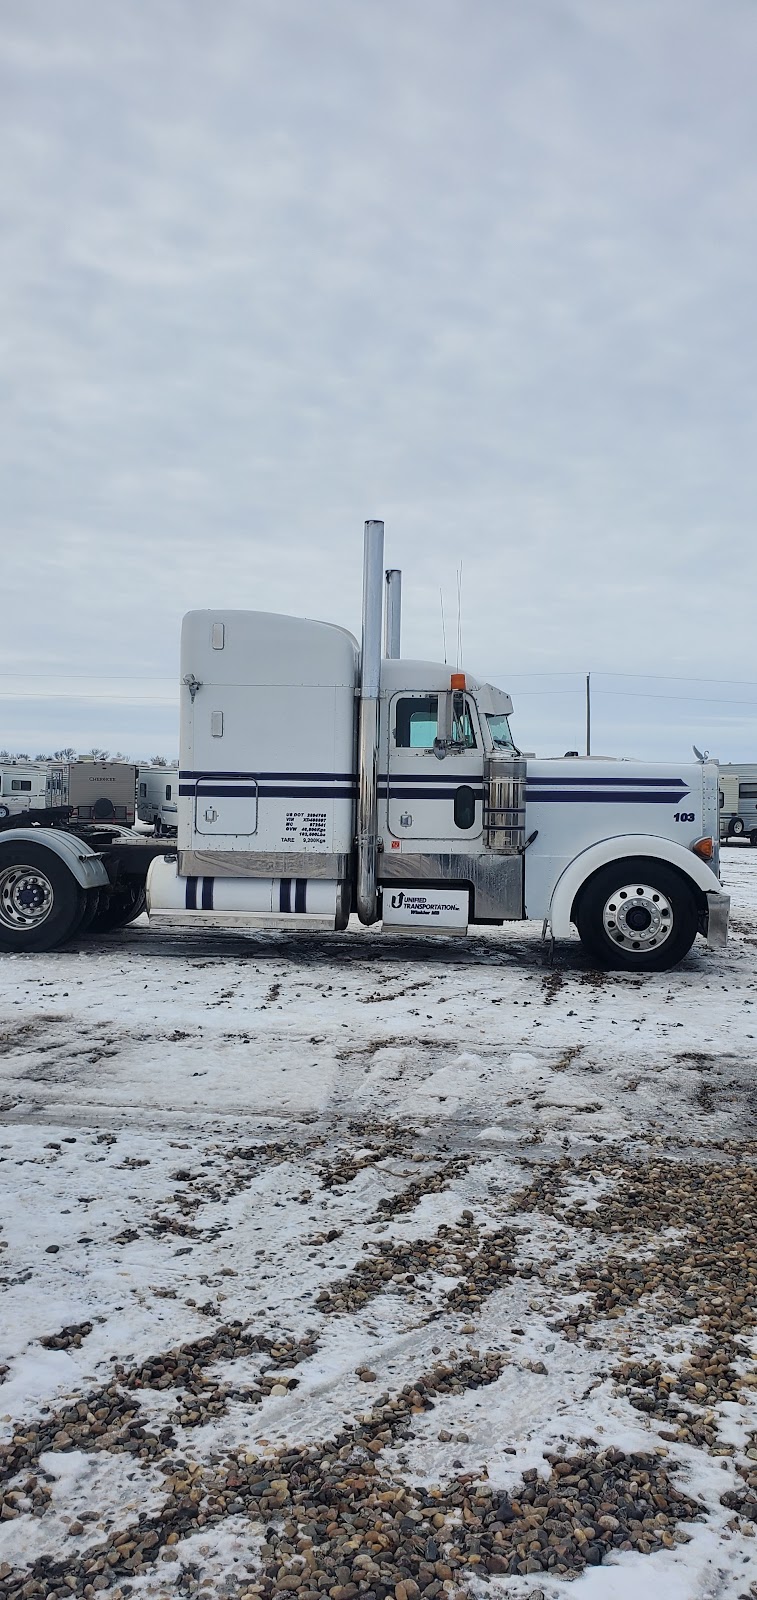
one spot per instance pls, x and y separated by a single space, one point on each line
444 631
459 615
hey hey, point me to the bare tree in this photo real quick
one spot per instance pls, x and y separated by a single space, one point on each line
98 755
158 761
68 754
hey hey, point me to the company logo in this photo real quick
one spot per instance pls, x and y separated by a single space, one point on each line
398 900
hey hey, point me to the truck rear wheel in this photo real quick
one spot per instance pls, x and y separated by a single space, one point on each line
119 909
637 915
41 903
89 913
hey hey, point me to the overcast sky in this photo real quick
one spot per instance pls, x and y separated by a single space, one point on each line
483 268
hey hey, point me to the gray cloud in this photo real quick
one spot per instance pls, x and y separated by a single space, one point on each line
483 270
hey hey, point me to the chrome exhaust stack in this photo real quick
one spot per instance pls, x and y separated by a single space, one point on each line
368 731
393 614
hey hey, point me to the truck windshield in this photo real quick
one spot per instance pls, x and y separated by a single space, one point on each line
499 729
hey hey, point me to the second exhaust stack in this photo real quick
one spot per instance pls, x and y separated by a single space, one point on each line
368 734
393 614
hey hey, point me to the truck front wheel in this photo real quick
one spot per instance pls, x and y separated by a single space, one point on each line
637 915
41 904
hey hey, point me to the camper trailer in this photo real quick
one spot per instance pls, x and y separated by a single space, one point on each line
96 791
22 786
738 801
157 798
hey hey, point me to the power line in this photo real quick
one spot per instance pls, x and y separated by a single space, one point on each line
682 699
647 677
87 677
111 699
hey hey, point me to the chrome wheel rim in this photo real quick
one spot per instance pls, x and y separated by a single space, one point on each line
26 897
638 917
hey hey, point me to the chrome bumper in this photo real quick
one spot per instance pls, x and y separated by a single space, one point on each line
718 907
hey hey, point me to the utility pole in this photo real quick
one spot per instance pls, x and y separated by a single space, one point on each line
588 713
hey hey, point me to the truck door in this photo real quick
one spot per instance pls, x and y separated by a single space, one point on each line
433 793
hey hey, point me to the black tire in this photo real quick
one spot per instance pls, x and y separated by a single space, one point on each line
736 827
34 881
753 837
610 897
5 811
91 907
158 827
119 909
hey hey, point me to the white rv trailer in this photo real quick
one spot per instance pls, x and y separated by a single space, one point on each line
22 786
738 801
157 798
96 791
317 779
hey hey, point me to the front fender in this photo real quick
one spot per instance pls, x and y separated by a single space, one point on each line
82 862
627 844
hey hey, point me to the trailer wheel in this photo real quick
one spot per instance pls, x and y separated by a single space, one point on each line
5 811
736 827
753 837
41 903
637 915
119 909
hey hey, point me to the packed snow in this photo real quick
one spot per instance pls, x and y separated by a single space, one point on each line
201 1128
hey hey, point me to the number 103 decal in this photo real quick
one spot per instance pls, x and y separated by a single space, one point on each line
684 816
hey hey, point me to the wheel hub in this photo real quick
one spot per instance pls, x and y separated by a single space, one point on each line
638 917
26 897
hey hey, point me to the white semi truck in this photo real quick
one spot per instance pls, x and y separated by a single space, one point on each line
318 779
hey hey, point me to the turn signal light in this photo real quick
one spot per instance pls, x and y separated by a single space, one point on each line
457 680
704 848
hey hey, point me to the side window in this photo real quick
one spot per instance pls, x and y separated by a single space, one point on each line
142 791
168 791
417 722
18 784
462 726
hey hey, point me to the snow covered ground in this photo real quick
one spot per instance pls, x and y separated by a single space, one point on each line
321 1139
